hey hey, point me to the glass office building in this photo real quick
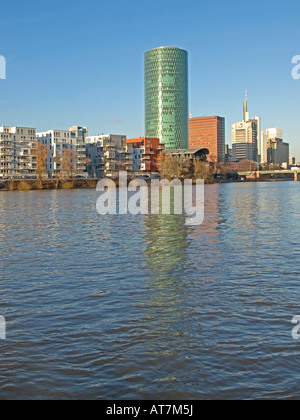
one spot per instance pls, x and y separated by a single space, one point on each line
166 96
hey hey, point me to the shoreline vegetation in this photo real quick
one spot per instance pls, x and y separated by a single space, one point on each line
69 184
46 184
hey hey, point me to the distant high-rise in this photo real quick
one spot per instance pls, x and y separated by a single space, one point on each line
270 133
277 150
246 139
208 133
166 96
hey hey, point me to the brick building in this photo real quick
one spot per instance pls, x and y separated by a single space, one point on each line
145 154
208 133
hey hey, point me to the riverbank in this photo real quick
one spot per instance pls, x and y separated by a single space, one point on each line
46 184
68 184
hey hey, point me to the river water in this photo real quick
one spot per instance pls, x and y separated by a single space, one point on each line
146 307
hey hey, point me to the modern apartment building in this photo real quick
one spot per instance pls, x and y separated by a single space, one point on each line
208 133
18 151
108 154
57 142
246 140
145 154
166 96
80 134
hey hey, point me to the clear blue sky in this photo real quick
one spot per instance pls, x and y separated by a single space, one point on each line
81 62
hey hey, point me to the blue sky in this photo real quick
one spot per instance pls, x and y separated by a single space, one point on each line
75 62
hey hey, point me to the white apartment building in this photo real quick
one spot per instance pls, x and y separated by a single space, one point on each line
57 141
81 134
18 152
117 140
108 154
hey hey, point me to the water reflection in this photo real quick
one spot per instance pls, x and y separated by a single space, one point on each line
146 306
166 257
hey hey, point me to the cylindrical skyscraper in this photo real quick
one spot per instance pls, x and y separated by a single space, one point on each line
166 96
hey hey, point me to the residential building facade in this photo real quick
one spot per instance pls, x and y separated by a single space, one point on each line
18 151
57 142
108 154
145 154
80 134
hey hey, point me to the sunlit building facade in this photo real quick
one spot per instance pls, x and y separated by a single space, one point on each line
166 96
246 139
145 154
208 133
18 151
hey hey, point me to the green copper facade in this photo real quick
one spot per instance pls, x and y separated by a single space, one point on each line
166 96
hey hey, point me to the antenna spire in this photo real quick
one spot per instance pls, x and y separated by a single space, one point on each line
245 113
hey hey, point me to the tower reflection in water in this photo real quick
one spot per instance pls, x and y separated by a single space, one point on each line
178 258
165 303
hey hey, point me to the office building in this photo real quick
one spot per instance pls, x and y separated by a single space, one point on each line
228 154
246 139
208 133
166 96
270 133
277 149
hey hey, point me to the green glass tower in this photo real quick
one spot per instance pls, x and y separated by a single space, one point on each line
166 96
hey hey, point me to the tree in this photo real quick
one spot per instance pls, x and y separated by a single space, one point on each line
42 155
203 170
58 174
173 166
217 166
69 162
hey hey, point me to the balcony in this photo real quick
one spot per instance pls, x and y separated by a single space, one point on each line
110 166
110 154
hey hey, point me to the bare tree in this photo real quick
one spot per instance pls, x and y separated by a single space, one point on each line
42 155
58 174
174 166
203 170
69 161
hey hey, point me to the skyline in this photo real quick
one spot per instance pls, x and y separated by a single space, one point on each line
58 75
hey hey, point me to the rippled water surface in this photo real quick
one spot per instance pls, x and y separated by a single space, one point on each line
145 306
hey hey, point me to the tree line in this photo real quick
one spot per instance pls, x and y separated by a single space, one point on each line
177 167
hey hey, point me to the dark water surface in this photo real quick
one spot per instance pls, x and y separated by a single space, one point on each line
146 307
